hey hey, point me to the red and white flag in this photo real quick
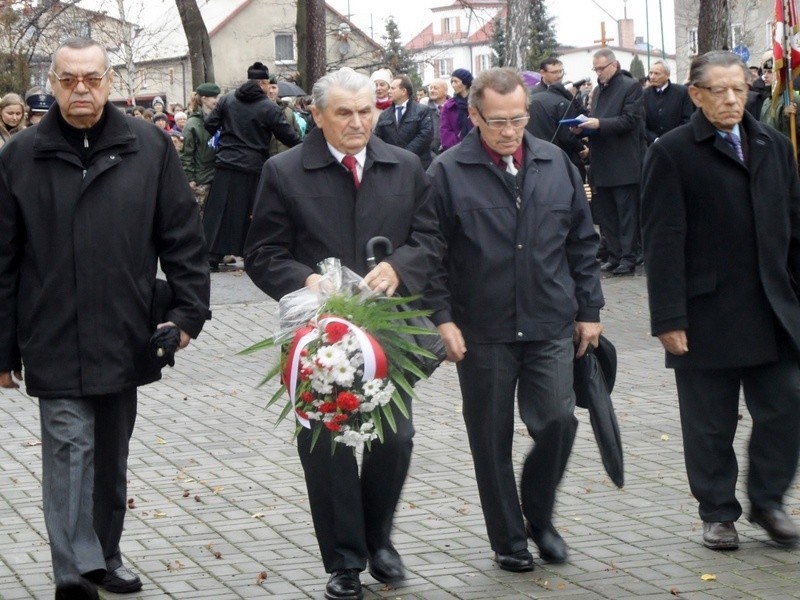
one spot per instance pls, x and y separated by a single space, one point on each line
785 53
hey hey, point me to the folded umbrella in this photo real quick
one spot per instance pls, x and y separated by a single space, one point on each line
592 391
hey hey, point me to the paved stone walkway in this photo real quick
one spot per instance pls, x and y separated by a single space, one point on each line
219 508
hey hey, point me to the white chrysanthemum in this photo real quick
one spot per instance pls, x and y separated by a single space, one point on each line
349 343
322 386
366 407
372 387
331 356
357 359
343 374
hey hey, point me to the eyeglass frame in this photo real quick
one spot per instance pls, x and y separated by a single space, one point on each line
84 79
492 123
720 91
599 70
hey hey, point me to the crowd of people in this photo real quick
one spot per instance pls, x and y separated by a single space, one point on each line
482 196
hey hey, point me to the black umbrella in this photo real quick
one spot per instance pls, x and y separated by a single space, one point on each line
591 373
287 88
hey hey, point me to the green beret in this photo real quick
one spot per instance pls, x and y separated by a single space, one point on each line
208 89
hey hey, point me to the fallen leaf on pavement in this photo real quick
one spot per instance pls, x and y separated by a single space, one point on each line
708 577
262 577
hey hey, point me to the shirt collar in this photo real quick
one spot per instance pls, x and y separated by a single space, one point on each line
734 131
360 157
498 159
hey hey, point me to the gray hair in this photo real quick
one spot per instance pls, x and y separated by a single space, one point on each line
663 64
607 54
698 72
79 43
503 80
346 79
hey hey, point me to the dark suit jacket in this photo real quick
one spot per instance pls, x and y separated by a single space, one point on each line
546 110
663 112
722 243
616 149
414 133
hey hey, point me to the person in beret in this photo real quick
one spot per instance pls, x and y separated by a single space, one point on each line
197 155
454 122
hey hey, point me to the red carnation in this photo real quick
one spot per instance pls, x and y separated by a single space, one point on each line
335 331
332 426
307 397
327 407
340 418
347 401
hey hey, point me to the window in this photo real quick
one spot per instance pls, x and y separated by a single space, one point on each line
450 25
768 36
482 62
83 29
444 66
737 35
692 43
284 48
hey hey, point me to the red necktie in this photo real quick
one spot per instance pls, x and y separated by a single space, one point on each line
351 163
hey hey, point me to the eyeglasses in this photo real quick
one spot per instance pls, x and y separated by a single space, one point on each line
501 124
90 81
601 69
556 72
719 91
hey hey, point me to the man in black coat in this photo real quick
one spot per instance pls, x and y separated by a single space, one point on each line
721 230
90 202
520 282
666 104
406 123
546 110
311 207
551 72
247 121
615 133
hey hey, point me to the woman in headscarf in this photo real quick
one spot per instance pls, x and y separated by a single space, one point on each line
12 116
454 123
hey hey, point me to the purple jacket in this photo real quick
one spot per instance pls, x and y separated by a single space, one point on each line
448 124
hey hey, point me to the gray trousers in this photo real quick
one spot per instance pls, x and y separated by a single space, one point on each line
540 375
84 481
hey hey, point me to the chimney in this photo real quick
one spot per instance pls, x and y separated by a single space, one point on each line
626 37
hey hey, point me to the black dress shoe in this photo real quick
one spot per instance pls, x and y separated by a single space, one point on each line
344 585
624 270
552 547
720 535
519 561
609 266
121 581
79 590
777 524
386 566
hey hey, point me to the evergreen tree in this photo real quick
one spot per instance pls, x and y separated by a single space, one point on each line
542 41
637 68
498 43
396 57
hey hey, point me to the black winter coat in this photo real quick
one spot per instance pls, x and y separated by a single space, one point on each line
722 243
617 148
664 111
307 209
414 133
547 109
247 120
79 250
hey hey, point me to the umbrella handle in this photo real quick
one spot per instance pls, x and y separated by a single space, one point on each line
378 240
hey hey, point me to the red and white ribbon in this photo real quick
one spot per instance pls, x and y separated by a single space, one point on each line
375 364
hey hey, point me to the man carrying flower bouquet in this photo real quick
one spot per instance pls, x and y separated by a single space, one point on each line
520 282
327 198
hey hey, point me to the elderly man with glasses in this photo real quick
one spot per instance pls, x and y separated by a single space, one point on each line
90 203
518 288
615 132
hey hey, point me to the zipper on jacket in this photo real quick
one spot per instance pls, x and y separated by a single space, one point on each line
84 173
85 140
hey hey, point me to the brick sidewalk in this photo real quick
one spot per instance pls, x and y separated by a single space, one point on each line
219 496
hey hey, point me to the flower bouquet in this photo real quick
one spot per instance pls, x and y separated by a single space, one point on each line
347 353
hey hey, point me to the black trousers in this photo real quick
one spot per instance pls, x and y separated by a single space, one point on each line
540 375
353 515
709 408
616 211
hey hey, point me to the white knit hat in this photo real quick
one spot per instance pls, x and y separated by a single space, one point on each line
381 75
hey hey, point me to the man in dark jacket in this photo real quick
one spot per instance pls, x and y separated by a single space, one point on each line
406 123
437 96
90 202
551 71
519 283
721 230
666 104
247 120
310 207
546 110
615 133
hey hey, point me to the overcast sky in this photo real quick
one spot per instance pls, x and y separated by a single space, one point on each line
577 22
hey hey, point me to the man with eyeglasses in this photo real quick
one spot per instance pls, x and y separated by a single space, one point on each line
721 231
90 202
551 71
519 286
615 132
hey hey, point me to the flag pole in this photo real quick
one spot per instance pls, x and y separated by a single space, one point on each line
788 93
